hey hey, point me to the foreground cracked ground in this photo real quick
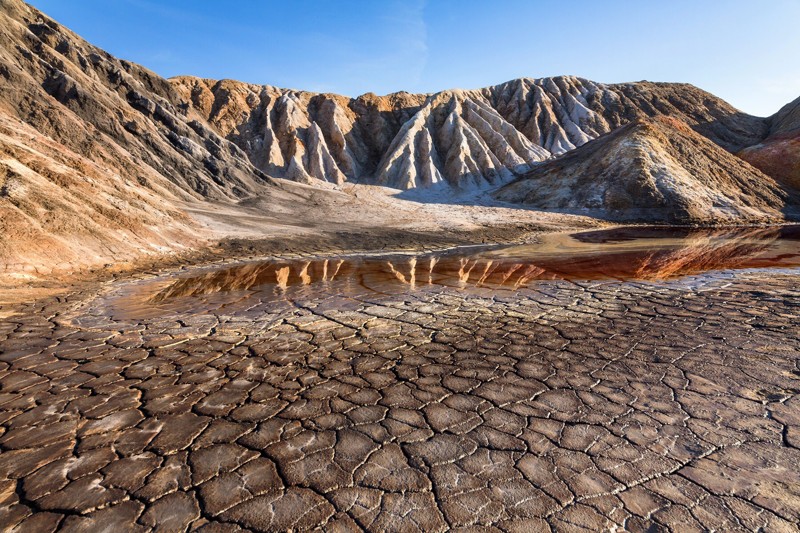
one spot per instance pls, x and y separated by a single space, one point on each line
564 406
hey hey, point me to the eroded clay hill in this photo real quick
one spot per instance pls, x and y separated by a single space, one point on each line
654 170
462 138
779 154
98 155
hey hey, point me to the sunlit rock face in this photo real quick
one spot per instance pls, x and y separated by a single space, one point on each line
111 111
460 138
97 154
654 170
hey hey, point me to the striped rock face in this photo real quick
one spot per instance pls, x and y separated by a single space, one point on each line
464 139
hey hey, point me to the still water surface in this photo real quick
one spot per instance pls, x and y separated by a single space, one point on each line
621 254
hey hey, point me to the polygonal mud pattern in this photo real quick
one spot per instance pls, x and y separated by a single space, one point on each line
568 406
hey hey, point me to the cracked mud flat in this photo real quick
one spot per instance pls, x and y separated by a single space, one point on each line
641 379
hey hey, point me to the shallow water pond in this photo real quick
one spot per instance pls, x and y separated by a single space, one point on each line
631 253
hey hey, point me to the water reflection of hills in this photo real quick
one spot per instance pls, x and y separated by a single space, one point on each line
629 253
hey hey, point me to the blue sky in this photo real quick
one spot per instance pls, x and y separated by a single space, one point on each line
746 52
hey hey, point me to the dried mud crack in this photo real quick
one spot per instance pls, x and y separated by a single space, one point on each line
566 406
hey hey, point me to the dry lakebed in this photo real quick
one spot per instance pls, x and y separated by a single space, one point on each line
632 378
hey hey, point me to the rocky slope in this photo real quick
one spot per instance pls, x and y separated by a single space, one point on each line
459 138
97 155
779 154
786 120
91 102
654 170
59 208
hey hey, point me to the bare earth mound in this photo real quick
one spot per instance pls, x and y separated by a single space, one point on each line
653 170
97 161
779 154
